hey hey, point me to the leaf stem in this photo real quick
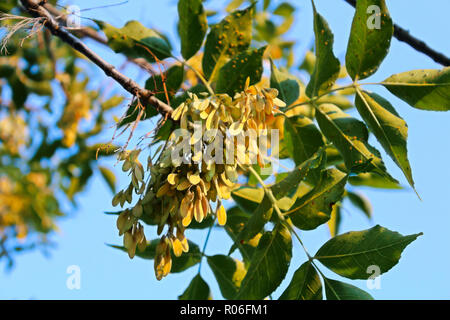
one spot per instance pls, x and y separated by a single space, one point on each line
204 247
311 100
197 73
272 199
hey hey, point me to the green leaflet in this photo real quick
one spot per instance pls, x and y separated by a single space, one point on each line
173 78
249 198
268 266
229 273
180 98
373 180
112 102
109 177
173 81
255 224
236 220
423 89
289 184
288 86
198 289
333 156
361 249
133 111
369 41
284 9
350 136
387 126
6 6
233 75
133 40
334 224
233 5
314 208
227 38
165 131
360 202
338 100
309 61
20 91
305 284
179 264
246 197
192 26
301 138
337 290
253 180
206 223
327 66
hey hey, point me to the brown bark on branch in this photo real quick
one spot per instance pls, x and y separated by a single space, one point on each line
404 36
94 35
146 97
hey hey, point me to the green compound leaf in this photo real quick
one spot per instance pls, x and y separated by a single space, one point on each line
192 26
288 86
229 273
327 66
387 126
198 289
268 266
227 38
370 38
337 290
350 136
134 40
233 75
305 284
351 253
314 208
423 89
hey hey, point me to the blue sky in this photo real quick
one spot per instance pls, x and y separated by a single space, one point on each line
423 270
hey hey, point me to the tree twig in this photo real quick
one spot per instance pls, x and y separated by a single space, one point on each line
404 36
86 32
36 8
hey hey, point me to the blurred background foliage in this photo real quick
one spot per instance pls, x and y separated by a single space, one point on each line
47 153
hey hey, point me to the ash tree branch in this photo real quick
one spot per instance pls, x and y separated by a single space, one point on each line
146 97
404 36
94 35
